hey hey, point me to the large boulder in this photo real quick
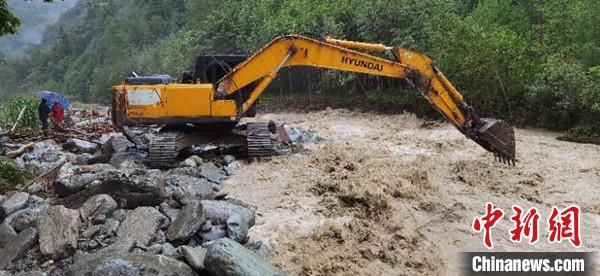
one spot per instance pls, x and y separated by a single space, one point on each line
130 189
219 211
14 203
212 173
17 247
7 233
225 257
87 263
79 146
141 225
73 178
187 223
136 264
25 218
185 188
114 145
101 204
59 229
237 228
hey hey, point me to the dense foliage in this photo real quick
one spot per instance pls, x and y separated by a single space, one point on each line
9 113
535 62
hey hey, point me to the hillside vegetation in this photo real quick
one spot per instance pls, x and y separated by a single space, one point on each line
534 62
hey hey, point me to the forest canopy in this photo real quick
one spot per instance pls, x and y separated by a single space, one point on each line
534 62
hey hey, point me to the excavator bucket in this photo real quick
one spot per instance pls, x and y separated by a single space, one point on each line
498 137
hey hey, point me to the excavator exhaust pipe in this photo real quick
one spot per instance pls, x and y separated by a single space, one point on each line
498 137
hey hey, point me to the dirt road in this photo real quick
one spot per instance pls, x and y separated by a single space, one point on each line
396 195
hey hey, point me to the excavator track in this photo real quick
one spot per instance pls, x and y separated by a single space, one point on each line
163 150
258 138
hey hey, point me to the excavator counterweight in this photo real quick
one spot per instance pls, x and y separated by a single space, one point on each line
226 100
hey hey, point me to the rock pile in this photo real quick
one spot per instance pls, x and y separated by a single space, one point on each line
111 215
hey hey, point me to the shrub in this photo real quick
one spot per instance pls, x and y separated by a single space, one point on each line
11 173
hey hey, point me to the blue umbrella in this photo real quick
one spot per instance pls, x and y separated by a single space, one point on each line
53 97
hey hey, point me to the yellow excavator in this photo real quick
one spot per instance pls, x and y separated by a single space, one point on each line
207 105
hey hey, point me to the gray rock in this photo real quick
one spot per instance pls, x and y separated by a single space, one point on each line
157 265
110 226
228 159
44 156
101 204
35 187
227 257
237 228
120 214
82 159
23 219
166 249
194 256
169 211
17 247
14 203
128 188
216 232
114 145
137 156
212 173
79 146
187 223
141 225
206 226
86 263
189 171
91 231
135 264
218 211
232 168
59 229
7 233
192 161
159 237
72 178
2 199
31 273
184 188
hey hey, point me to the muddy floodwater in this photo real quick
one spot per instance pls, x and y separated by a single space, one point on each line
396 195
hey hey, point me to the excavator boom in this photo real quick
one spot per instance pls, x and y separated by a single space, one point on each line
417 69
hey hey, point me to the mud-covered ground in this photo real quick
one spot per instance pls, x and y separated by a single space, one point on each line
396 195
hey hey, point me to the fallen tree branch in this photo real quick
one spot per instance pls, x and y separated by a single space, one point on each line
18 152
47 173
18 118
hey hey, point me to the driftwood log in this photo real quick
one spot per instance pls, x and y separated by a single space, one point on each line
18 152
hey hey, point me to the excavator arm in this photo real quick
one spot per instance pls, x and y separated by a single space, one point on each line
419 70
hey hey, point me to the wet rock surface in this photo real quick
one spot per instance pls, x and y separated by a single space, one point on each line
58 231
141 225
187 223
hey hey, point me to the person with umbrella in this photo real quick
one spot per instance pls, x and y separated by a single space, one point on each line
43 112
56 103
58 114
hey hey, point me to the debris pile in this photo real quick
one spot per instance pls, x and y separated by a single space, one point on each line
95 208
